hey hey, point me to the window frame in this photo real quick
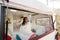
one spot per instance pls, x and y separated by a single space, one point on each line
33 12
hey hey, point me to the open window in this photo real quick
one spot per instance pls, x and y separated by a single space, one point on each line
40 23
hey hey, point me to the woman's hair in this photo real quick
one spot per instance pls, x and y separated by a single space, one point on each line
23 23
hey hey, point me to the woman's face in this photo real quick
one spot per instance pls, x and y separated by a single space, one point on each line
26 20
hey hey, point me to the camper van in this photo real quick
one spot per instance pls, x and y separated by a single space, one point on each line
41 20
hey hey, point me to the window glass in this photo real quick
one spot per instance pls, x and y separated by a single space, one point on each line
23 25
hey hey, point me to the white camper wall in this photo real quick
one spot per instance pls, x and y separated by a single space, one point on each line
33 4
50 36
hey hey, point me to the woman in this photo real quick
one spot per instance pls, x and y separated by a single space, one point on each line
25 30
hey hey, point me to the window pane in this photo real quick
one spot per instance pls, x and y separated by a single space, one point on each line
34 23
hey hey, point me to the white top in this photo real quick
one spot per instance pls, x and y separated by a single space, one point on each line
25 31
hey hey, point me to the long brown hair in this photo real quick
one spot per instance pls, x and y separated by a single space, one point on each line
23 23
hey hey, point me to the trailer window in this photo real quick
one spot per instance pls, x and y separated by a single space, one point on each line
40 23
